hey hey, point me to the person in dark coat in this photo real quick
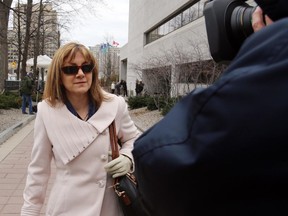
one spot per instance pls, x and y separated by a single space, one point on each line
118 88
139 87
26 90
124 85
223 150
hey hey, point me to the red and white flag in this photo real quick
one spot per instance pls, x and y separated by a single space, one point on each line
115 43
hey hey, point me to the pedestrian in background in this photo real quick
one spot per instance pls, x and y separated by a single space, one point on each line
113 87
71 128
139 87
118 88
124 87
26 91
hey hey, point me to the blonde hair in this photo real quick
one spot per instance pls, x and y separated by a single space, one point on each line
54 90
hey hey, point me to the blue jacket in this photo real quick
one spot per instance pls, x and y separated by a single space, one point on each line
224 150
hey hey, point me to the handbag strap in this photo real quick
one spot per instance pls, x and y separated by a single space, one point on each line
115 154
113 140
114 147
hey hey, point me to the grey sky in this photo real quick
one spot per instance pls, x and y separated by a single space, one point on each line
110 23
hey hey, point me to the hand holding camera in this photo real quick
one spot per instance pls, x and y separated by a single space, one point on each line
259 20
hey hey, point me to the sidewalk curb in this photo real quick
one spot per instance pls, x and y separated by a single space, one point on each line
139 128
5 135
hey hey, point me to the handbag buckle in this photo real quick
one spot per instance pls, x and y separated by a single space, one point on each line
126 200
119 193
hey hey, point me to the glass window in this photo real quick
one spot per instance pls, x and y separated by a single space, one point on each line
186 16
161 30
194 12
178 23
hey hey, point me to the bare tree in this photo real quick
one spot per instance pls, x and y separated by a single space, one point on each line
5 6
21 38
37 38
18 40
27 36
177 71
35 35
108 60
68 9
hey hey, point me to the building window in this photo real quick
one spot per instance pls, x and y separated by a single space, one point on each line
181 19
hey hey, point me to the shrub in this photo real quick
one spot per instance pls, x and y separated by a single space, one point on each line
169 104
151 105
10 100
167 108
137 102
35 97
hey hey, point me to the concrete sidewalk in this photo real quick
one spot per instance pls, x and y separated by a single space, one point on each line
14 159
5 135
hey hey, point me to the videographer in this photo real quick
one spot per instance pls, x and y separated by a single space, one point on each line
223 150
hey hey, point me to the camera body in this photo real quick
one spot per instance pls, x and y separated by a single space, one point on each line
228 24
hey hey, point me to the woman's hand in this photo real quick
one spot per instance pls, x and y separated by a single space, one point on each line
119 166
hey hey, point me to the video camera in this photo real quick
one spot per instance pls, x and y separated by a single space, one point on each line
228 24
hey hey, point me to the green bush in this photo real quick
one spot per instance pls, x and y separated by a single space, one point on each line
169 104
151 105
137 102
10 100
167 108
34 97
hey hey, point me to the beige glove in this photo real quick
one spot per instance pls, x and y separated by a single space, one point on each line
119 166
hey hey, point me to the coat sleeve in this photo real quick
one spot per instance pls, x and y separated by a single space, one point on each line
38 170
127 131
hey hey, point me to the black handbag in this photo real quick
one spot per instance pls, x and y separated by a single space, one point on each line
125 186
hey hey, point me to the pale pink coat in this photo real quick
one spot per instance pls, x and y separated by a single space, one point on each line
80 151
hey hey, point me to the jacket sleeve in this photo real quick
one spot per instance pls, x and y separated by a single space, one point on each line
38 170
127 132
223 146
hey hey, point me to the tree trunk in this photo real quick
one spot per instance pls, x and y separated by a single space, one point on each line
27 37
37 39
5 6
19 39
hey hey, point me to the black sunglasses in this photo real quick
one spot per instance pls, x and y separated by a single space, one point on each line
72 70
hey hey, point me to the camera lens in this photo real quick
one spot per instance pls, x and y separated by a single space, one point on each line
228 24
241 25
